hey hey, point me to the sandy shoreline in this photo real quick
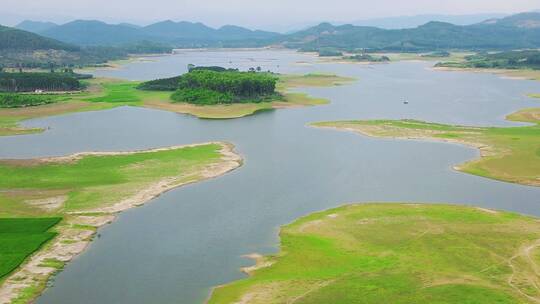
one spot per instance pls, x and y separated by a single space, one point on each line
72 240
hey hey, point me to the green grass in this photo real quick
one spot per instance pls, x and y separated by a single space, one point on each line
509 154
118 92
96 181
395 253
20 237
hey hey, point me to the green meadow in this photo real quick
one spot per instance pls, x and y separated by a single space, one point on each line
94 181
20 237
397 253
509 154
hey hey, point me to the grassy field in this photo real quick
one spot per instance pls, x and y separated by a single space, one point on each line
108 93
507 154
36 187
397 253
20 237
85 190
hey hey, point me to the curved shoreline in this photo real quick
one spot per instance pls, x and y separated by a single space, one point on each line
78 229
487 147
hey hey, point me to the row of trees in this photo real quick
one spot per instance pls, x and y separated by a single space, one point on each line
9 100
29 82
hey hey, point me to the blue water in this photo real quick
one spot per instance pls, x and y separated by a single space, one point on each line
176 248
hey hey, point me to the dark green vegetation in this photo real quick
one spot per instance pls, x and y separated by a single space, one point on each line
14 39
29 82
171 84
529 59
329 53
9 100
508 154
209 87
164 84
397 253
367 58
437 54
20 237
518 31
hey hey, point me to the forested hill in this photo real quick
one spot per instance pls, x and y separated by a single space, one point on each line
23 49
178 34
517 31
14 39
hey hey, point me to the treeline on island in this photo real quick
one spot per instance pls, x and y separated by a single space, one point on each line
527 59
171 84
216 85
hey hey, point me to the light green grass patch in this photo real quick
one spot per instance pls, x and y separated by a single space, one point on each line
393 253
99 181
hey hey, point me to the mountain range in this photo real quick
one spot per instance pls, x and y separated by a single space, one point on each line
515 31
402 22
512 32
181 34
89 42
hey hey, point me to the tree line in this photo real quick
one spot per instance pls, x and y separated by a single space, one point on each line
29 82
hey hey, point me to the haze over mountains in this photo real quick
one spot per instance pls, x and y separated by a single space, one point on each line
402 22
518 31
88 41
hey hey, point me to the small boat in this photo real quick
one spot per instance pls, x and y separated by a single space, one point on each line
406 102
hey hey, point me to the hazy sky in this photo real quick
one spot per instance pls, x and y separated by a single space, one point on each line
252 13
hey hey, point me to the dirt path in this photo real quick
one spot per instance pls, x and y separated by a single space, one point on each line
532 278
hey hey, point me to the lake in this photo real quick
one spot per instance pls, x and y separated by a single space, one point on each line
180 245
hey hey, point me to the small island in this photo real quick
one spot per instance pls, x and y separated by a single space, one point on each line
507 154
204 92
218 93
50 208
397 253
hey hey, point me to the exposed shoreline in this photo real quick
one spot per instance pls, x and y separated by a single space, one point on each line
485 148
72 240
516 74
